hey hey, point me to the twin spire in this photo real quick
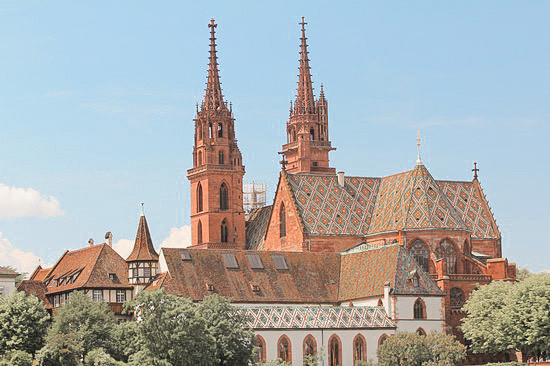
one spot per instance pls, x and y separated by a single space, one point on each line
213 98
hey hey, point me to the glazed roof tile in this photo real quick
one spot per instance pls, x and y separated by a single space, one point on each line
256 227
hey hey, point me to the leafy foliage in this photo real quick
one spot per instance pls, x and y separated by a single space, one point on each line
411 349
16 358
98 357
23 323
61 350
276 362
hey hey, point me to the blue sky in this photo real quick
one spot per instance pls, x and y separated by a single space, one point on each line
97 100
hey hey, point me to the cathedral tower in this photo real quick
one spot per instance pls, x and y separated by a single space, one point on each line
308 145
217 215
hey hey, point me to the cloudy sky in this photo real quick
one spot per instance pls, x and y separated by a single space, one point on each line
97 100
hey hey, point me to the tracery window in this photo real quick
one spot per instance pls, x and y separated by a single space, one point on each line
259 356
334 351
359 348
282 221
199 197
283 349
457 298
224 231
421 254
221 157
223 197
419 311
446 250
199 232
310 347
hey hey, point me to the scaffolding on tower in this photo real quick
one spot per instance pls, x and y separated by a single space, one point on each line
254 196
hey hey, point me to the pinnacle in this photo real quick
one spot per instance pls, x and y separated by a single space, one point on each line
213 98
305 103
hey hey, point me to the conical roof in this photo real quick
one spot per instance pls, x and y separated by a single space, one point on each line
143 247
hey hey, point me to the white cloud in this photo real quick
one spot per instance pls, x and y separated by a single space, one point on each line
179 237
22 261
124 247
25 202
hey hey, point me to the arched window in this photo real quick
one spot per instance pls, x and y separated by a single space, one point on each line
224 232
457 298
199 232
419 310
220 130
311 134
282 221
359 348
310 346
382 339
210 132
420 332
421 254
380 303
446 250
334 351
221 157
284 350
199 198
259 356
223 197
199 158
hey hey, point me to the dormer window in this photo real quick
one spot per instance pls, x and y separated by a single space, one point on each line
112 277
210 287
255 287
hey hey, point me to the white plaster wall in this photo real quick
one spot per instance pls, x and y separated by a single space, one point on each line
404 314
8 283
297 336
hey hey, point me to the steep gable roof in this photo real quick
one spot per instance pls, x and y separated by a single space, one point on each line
39 273
88 268
256 227
143 247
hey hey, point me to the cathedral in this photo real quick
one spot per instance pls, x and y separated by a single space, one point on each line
336 264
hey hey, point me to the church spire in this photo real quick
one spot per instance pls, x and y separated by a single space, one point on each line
305 103
213 98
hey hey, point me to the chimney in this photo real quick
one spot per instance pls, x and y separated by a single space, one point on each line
340 179
109 239
387 305
91 242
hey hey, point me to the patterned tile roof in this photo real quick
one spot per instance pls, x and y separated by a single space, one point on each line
411 200
364 273
317 317
310 277
256 227
471 204
88 268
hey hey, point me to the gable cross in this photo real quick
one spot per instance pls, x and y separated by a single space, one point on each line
475 170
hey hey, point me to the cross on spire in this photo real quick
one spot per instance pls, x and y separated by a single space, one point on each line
213 98
418 140
475 170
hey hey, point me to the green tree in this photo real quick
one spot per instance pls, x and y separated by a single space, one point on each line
98 357
16 358
276 362
91 323
233 344
171 331
444 349
62 349
23 323
126 340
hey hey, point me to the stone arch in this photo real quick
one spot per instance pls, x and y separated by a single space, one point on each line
334 351
309 346
419 309
200 199
259 355
224 197
359 348
284 348
447 249
224 231
282 220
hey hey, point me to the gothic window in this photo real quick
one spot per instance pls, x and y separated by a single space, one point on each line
310 347
334 351
199 232
282 221
457 298
380 303
421 254
221 157
446 250
311 134
199 158
382 339
224 205
210 132
224 232
220 130
199 197
259 356
359 348
419 311
283 349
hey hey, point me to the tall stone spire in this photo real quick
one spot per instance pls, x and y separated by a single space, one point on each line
305 102
213 98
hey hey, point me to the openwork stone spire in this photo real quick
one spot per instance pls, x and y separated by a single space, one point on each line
213 99
305 102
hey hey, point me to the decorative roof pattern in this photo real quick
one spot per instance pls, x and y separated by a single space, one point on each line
363 274
256 227
470 202
326 317
328 209
143 247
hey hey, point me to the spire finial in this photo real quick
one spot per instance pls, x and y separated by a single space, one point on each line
475 170
418 140
142 208
213 99
305 103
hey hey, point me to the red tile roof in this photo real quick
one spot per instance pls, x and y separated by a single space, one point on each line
143 247
88 268
39 273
